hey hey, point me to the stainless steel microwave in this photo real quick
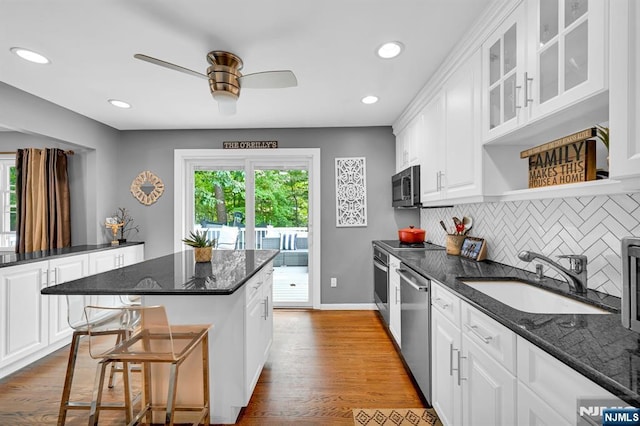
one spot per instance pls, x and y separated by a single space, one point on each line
631 283
406 188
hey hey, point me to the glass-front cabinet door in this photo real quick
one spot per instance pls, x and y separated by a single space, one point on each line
503 73
566 53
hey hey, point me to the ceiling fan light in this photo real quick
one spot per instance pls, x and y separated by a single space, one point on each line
390 50
30 55
226 102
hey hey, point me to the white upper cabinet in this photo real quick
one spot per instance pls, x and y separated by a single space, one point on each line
408 144
452 153
546 57
624 93
566 53
503 55
431 167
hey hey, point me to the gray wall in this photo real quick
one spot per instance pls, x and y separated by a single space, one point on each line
93 168
346 252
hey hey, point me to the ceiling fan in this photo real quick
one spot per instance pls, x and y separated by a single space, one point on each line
226 80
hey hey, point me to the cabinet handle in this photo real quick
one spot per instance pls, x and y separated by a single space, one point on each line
444 306
55 276
527 99
438 180
451 369
474 329
397 297
515 95
459 369
266 308
45 279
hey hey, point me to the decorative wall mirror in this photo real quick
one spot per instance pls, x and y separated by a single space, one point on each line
147 188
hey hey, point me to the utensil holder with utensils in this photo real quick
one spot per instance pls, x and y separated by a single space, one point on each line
454 243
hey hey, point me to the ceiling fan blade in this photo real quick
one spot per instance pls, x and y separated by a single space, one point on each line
269 80
169 65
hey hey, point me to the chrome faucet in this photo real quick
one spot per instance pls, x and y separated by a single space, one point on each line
576 275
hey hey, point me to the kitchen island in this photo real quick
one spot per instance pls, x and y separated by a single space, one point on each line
232 292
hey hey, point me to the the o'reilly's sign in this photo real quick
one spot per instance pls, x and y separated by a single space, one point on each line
567 160
249 144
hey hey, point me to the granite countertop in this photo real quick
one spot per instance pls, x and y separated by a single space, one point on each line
595 345
174 274
13 259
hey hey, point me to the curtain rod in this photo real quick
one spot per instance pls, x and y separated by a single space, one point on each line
14 152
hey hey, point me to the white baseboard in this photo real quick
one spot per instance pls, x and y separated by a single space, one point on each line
349 307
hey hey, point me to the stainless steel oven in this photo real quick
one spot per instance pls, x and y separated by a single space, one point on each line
381 282
631 283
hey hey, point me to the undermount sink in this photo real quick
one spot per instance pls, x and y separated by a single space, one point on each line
528 298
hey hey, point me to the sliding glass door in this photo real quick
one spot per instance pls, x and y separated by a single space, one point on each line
258 203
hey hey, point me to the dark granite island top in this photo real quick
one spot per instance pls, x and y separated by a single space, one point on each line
595 345
174 274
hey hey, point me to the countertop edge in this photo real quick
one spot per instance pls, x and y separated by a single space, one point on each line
94 248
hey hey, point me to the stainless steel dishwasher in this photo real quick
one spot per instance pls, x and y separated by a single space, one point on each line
415 325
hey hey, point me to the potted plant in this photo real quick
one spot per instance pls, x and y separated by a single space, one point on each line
122 215
202 245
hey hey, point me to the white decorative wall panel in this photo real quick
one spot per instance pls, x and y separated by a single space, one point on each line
592 226
351 192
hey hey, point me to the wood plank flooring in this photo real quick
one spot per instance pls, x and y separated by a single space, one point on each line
322 365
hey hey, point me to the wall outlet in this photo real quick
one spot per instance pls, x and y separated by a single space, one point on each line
334 282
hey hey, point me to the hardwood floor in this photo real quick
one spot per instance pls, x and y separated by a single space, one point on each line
322 365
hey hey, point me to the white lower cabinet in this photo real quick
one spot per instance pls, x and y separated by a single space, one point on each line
472 364
60 271
33 325
107 260
533 411
258 327
394 299
24 313
556 384
488 389
484 374
446 381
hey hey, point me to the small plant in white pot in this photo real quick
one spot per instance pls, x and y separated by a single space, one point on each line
202 246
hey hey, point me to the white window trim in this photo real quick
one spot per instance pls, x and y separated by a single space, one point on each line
5 162
186 161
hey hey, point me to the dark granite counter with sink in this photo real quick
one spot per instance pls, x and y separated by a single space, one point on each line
596 346
14 259
174 274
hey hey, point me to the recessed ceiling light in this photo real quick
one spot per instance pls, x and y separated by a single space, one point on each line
390 50
369 99
30 55
119 104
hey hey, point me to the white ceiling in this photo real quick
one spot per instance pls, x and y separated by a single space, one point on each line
329 44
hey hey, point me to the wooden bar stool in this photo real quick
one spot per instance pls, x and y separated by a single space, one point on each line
79 324
148 339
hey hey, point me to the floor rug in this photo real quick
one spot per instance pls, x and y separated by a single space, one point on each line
395 416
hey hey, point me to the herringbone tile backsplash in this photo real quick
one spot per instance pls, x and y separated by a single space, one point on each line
592 226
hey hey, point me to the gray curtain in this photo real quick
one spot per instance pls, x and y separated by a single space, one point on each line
43 207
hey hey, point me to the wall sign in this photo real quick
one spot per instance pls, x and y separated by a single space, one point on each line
351 192
249 144
567 160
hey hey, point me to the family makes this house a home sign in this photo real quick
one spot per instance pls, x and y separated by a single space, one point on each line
567 160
